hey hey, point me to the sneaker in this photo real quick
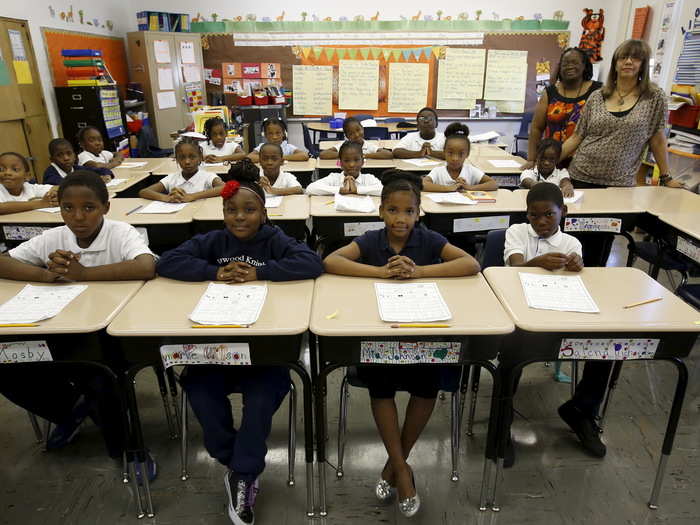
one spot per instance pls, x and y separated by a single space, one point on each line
241 498
584 427
65 433
151 469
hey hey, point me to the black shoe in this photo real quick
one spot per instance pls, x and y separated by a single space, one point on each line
241 498
584 427
65 432
509 454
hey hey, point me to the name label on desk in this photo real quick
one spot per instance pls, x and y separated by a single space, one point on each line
23 233
592 224
402 353
608 349
480 224
24 352
355 229
688 249
206 354
506 180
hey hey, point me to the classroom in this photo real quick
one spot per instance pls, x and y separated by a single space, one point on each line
350 263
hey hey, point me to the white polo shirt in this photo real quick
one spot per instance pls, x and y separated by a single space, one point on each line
229 148
286 180
555 177
117 242
367 184
367 147
521 238
29 192
287 148
469 174
103 158
414 142
200 181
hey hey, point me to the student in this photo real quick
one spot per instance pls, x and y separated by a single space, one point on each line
275 181
191 183
216 149
354 132
275 131
457 174
63 161
16 194
249 248
88 247
401 250
426 142
545 170
351 180
94 155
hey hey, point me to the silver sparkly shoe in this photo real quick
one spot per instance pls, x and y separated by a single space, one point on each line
410 506
384 491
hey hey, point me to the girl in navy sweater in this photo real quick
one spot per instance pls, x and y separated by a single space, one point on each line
249 248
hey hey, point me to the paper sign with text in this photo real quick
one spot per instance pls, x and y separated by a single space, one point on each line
24 352
608 349
206 354
355 229
480 224
402 353
592 224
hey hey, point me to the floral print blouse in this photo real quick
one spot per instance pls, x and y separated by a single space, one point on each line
563 113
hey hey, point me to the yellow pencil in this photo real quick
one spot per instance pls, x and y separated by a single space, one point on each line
329 203
640 303
14 325
219 326
275 214
420 325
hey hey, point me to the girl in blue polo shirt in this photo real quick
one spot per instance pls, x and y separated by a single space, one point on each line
401 250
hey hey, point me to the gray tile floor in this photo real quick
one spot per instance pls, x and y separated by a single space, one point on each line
553 481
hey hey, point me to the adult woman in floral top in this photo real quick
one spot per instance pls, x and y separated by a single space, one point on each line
560 106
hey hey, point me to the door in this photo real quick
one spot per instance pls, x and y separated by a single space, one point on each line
37 132
12 138
28 81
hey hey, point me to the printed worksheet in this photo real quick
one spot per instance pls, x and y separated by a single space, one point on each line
163 207
355 203
564 293
132 164
224 304
411 302
36 303
504 163
423 162
578 195
450 198
50 210
115 182
273 201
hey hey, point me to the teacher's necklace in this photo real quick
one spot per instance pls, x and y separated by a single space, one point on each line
566 88
621 97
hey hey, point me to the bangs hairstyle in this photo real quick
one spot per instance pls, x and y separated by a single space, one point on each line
25 162
457 130
348 121
587 64
431 110
54 144
274 120
83 131
349 146
399 180
546 144
273 146
634 49
88 179
211 123
192 142
545 192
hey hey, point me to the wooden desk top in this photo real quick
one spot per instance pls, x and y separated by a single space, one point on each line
32 217
293 208
489 151
663 200
132 177
403 164
505 202
120 207
285 312
358 315
328 144
597 201
325 126
151 165
332 164
687 222
92 310
323 206
611 289
481 161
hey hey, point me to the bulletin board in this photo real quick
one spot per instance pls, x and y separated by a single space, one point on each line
543 47
113 52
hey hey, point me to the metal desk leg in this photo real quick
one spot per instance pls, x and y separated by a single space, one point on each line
35 425
321 390
475 376
508 379
491 436
670 434
612 384
138 443
160 375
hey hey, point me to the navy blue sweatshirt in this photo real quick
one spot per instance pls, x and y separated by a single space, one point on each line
52 176
275 256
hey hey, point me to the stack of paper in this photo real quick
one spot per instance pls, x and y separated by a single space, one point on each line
213 164
50 210
578 195
423 162
36 303
483 137
504 163
356 203
116 182
557 292
411 302
224 304
450 198
273 201
163 207
131 165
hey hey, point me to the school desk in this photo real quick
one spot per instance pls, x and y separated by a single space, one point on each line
328 144
373 166
291 215
132 182
680 231
345 318
506 177
473 218
76 336
546 335
151 165
18 227
324 127
424 169
275 339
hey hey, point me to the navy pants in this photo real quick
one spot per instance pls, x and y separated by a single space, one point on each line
590 390
51 393
263 389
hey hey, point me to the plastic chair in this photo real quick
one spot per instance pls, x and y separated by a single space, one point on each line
376 133
308 142
660 257
690 293
394 119
523 134
450 382
324 134
363 116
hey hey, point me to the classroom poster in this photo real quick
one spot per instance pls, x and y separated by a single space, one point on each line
187 52
408 87
313 90
165 78
506 75
460 78
161 51
166 99
358 84
20 62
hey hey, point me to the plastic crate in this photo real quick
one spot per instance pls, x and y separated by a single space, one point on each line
685 116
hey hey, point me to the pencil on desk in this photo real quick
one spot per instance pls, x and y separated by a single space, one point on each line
275 214
640 303
219 326
329 203
15 325
420 325
134 210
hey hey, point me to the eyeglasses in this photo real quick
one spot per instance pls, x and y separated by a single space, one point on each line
426 119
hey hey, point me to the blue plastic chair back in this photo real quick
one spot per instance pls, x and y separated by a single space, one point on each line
493 251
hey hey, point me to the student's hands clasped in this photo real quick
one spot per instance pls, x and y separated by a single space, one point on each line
349 185
558 261
66 265
212 159
265 184
236 272
50 198
400 267
426 150
177 195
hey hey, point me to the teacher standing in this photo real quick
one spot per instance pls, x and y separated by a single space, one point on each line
618 121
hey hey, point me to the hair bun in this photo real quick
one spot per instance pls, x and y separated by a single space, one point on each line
391 176
244 170
457 129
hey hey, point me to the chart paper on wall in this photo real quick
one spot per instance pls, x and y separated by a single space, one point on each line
313 90
358 84
408 87
506 75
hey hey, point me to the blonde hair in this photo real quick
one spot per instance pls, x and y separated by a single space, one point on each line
635 49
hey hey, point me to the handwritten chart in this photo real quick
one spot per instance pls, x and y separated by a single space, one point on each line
358 84
461 78
313 90
408 87
506 75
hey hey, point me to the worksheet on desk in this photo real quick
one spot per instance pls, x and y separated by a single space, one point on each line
411 302
36 303
354 203
273 201
116 182
504 163
452 197
163 207
557 292
132 164
226 304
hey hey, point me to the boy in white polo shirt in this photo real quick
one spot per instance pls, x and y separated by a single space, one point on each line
426 142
